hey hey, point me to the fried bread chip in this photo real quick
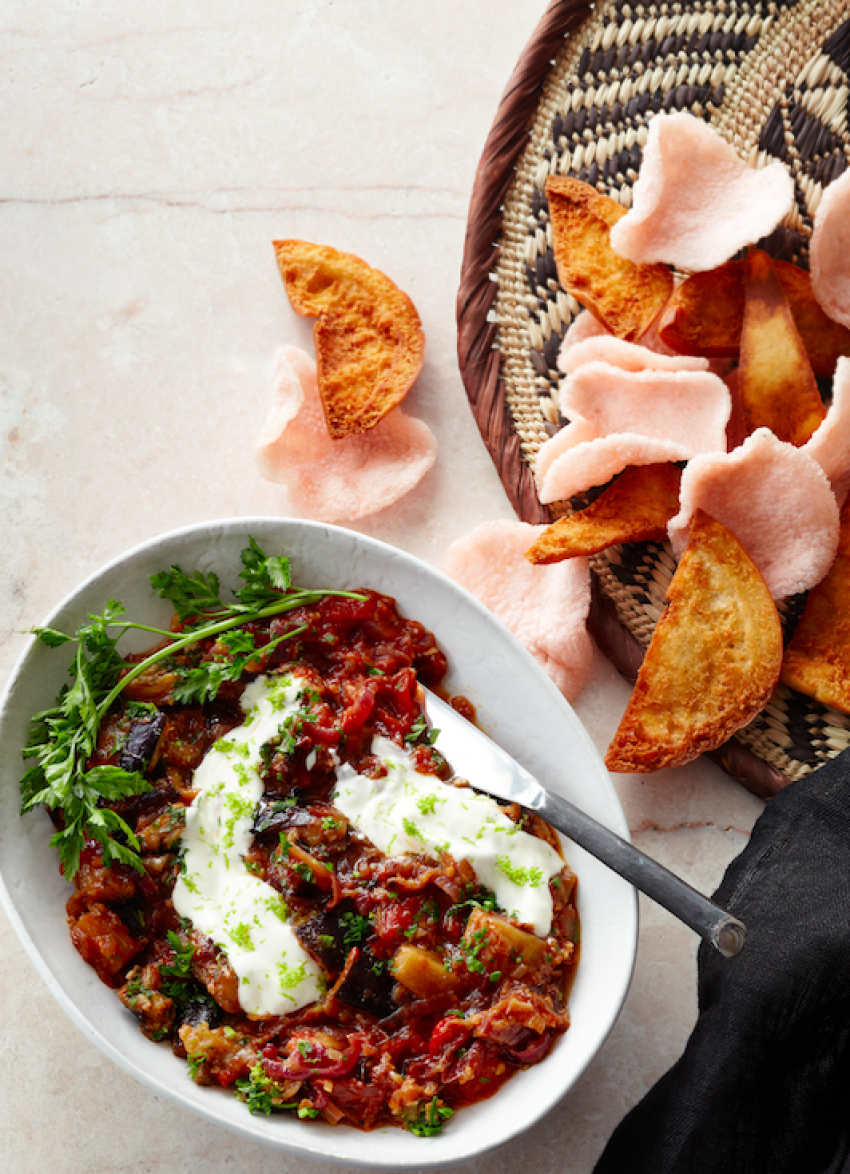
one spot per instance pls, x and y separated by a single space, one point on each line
368 337
635 508
713 661
705 315
817 659
625 297
776 386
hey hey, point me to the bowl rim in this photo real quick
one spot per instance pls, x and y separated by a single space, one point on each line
420 1159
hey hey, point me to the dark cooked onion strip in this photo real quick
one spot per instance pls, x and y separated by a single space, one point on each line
323 874
533 1052
298 1067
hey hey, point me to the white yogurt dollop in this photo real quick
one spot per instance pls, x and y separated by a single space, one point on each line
405 812
242 914
408 812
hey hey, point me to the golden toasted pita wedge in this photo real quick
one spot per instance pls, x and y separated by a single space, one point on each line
776 386
626 297
706 313
368 337
713 661
824 339
635 508
817 660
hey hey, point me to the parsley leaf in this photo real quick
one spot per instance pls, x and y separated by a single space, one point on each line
178 982
264 577
420 731
190 594
64 737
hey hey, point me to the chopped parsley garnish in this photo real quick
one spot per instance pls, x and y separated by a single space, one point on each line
420 731
181 967
141 710
179 984
356 927
481 899
429 909
64 737
472 948
429 1123
259 1091
236 651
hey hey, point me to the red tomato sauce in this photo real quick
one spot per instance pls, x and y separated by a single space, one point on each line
434 997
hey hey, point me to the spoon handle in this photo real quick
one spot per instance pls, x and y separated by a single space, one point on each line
725 932
491 769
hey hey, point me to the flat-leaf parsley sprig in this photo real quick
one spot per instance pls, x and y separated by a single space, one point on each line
64 737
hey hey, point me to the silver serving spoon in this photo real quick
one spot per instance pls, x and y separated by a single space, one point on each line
474 757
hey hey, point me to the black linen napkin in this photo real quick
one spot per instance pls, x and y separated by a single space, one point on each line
763 1086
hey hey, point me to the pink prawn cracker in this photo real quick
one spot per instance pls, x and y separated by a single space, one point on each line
776 500
582 327
585 327
545 607
628 356
689 408
695 202
620 418
830 444
336 480
595 462
829 251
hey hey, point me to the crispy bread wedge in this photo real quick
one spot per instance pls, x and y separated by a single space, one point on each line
817 660
635 508
776 386
626 297
368 337
706 313
713 661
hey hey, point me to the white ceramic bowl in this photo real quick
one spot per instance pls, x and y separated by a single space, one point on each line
516 703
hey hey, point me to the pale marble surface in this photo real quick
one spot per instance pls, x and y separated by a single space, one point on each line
150 155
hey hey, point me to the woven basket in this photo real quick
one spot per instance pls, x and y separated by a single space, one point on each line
772 79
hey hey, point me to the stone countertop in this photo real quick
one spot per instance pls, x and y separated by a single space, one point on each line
151 153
